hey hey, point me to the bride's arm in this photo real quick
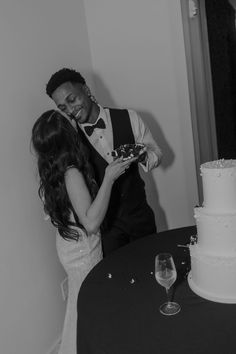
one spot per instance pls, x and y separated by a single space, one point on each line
91 213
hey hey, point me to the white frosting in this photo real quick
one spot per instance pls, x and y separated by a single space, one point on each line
216 233
213 277
213 257
219 185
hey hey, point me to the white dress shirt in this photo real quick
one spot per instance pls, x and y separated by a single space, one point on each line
102 139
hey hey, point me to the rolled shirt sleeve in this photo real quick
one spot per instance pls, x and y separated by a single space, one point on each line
143 135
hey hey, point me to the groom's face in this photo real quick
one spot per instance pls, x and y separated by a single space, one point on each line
73 100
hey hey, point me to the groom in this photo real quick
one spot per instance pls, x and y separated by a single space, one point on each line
129 216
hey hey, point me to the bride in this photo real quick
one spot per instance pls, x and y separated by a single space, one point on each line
74 204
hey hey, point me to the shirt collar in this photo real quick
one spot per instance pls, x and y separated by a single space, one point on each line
102 114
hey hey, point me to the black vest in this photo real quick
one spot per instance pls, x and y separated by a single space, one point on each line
127 207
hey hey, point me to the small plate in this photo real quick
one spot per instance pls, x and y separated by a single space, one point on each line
127 151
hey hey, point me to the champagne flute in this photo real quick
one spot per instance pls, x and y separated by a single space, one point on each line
165 274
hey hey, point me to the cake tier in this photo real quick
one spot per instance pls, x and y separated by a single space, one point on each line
212 277
219 185
216 233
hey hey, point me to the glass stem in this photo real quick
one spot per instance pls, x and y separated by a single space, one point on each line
168 296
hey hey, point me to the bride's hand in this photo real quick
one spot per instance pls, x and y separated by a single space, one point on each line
117 168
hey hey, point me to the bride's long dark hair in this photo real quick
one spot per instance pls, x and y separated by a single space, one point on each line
59 146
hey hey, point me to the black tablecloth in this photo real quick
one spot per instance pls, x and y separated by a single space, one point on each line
118 305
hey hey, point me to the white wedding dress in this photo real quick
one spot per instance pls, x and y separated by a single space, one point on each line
77 258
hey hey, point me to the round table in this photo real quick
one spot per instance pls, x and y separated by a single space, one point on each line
118 305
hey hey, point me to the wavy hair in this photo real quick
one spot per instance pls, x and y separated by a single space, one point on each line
59 146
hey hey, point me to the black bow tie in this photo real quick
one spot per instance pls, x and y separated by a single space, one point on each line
90 128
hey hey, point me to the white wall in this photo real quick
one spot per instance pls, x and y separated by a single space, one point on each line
139 62
37 38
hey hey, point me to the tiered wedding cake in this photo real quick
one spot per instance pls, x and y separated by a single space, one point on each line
213 255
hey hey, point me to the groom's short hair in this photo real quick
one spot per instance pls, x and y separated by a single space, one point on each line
62 76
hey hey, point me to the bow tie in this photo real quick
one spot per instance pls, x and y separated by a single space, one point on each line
90 128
